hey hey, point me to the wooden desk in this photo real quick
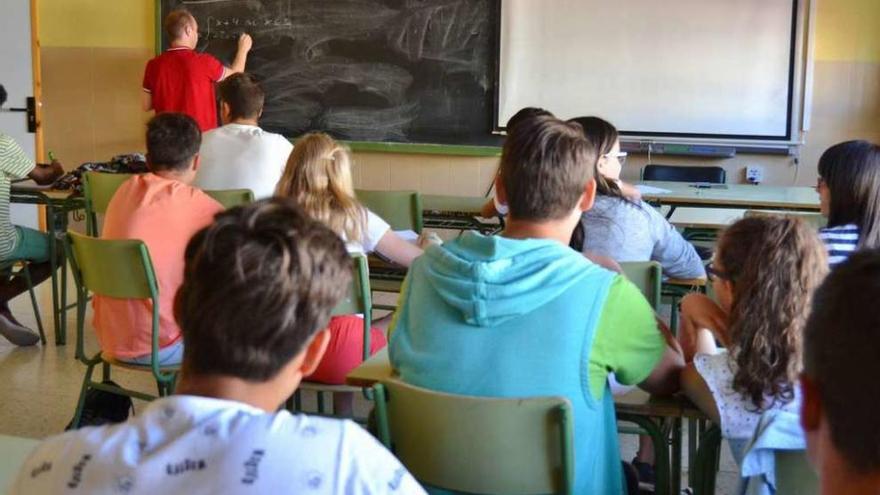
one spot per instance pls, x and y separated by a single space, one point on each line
636 407
13 451
705 218
57 205
734 196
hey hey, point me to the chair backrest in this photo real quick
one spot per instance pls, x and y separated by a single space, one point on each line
230 198
359 299
815 220
647 276
98 189
113 268
674 173
794 476
401 209
478 444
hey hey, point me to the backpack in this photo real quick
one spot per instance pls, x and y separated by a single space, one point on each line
103 408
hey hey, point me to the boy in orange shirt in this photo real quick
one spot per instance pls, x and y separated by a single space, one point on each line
162 209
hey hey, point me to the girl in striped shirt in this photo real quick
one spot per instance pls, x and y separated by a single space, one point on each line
849 196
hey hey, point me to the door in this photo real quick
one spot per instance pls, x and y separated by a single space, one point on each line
17 77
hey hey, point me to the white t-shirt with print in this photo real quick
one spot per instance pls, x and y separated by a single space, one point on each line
739 418
376 228
238 156
191 445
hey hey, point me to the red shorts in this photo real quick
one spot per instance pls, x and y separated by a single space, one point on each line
345 350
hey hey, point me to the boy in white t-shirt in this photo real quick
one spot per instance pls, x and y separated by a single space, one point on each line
240 155
259 286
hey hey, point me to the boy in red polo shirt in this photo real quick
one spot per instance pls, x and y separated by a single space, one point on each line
182 80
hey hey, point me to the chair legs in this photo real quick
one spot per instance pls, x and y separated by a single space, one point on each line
26 272
77 416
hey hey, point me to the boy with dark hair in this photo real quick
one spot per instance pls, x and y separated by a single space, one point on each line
182 80
839 381
260 284
162 209
17 242
521 314
240 155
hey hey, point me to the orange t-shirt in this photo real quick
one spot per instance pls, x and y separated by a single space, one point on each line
165 214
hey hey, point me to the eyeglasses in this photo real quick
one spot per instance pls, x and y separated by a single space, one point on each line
712 273
620 155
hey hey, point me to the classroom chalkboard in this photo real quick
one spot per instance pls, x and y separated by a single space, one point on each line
411 71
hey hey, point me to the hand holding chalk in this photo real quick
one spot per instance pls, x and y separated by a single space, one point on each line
245 42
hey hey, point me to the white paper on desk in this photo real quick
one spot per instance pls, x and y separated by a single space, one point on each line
408 235
646 189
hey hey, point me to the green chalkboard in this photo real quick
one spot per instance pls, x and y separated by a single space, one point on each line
366 71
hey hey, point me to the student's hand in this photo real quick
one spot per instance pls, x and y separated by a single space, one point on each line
57 168
704 313
428 239
488 210
245 42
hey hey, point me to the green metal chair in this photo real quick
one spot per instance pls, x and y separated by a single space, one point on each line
704 466
7 271
98 189
647 276
230 198
120 269
478 444
359 301
401 209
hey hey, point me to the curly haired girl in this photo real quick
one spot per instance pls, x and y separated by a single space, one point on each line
764 273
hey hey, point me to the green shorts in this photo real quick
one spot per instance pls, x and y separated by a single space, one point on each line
32 245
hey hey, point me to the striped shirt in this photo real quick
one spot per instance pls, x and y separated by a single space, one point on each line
14 164
841 241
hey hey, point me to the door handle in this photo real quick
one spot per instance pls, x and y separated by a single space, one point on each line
31 111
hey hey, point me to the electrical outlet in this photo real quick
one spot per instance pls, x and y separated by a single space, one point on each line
754 174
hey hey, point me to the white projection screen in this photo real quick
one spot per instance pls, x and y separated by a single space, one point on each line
677 68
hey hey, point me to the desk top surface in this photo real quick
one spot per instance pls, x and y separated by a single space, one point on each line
378 368
746 196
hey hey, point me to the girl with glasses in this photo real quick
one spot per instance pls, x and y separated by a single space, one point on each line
764 273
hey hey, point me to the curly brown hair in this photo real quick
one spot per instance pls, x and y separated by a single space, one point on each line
774 264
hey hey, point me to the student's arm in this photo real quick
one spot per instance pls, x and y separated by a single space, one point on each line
677 256
697 391
46 174
630 343
396 249
147 101
699 312
488 210
244 46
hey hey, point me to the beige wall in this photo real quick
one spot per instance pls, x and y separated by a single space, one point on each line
92 69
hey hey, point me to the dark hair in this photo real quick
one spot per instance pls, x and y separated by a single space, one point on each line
851 170
243 94
523 114
173 139
2 95
841 349
602 135
774 264
258 283
176 22
545 164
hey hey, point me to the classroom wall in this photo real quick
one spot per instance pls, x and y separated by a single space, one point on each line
94 113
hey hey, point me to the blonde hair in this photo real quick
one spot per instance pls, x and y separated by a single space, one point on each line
318 178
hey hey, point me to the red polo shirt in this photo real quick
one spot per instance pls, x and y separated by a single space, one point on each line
182 80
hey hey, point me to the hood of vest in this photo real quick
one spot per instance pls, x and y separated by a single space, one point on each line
492 279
